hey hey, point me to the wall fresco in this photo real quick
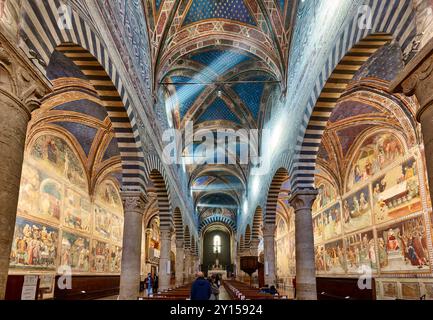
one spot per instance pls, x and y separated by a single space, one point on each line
75 252
34 246
56 219
403 247
397 193
357 210
361 251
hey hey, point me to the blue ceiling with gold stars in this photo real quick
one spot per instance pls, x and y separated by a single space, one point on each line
220 61
219 9
186 92
218 110
251 94
211 66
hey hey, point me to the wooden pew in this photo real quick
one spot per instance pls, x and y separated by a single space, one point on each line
241 291
181 293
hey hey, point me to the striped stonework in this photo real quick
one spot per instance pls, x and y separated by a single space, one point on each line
217 219
247 237
257 223
178 224
187 238
132 159
274 190
162 194
42 35
242 244
390 20
193 245
155 173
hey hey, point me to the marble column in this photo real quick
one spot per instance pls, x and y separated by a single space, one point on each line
20 92
134 204
164 261
302 202
188 276
180 260
269 253
195 264
417 80
235 257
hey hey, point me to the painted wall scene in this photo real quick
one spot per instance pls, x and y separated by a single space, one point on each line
295 101
69 209
56 214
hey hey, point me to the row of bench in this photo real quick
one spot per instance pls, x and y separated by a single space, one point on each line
241 291
179 293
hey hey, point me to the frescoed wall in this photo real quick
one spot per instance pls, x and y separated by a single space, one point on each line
284 247
58 222
379 222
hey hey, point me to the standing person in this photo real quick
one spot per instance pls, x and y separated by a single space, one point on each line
294 286
218 280
201 288
155 283
215 289
149 284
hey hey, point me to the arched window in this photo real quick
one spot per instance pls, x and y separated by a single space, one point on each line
217 244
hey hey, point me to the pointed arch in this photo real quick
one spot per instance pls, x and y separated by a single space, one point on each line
274 190
248 236
42 37
178 223
351 50
162 195
187 238
257 224
129 147
218 219
242 243
193 245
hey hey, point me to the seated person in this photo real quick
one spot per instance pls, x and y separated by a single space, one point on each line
265 289
273 291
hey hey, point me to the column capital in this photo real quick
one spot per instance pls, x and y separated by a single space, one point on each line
134 201
254 243
416 79
165 234
303 199
269 230
20 81
180 244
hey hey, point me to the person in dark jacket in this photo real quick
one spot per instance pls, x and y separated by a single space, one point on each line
149 284
155 283
201 288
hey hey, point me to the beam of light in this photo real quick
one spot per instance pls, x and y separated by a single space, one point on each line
223 63
245 206
207 205
217 187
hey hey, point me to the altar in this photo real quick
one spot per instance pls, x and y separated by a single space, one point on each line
221 272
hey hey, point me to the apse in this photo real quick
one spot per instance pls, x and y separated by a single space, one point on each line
217 250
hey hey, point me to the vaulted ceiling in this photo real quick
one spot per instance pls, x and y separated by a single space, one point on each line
216 63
